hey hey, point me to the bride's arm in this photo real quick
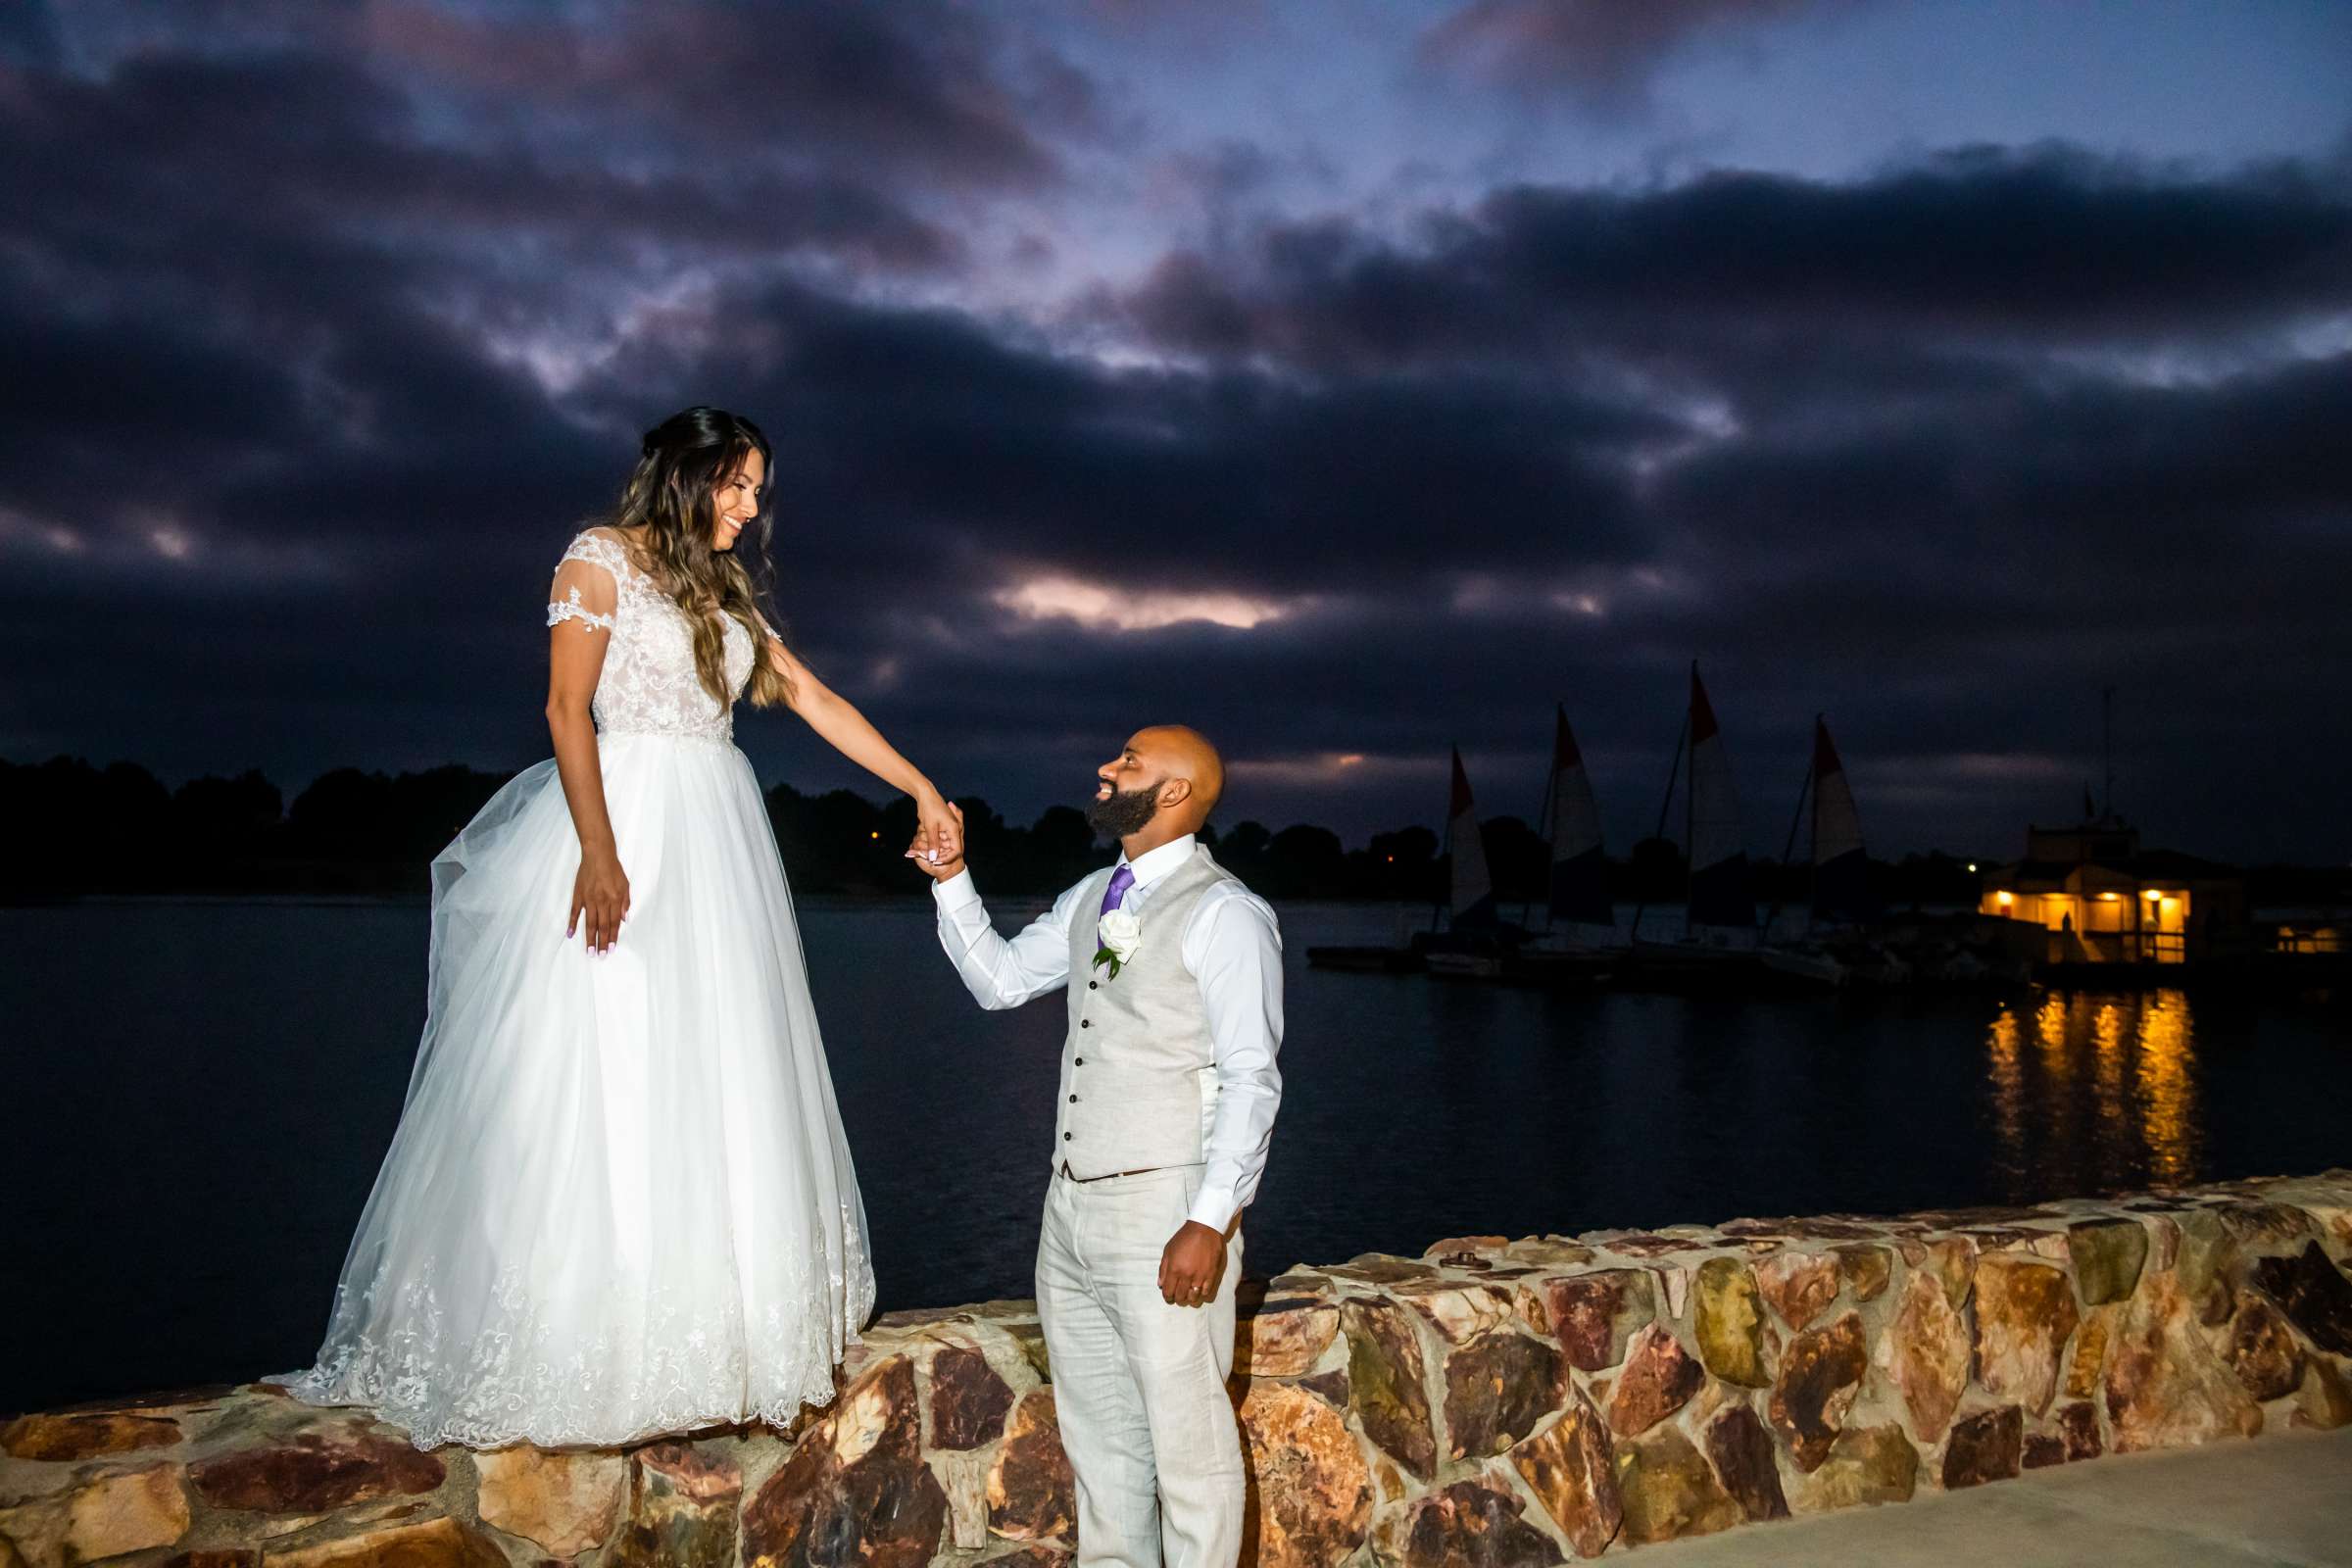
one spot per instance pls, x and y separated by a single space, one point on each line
577 636
848 732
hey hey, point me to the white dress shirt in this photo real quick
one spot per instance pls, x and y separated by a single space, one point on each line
1232 946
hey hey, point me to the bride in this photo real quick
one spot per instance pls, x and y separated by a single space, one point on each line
619 1202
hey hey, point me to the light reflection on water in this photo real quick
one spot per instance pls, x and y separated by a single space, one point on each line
2092 1090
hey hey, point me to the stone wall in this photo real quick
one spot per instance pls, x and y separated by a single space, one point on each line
1491 1405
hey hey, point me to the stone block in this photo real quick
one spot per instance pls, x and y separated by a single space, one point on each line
2085 1368
1572 1470
1310 1491
1283 1334
1866 1465
1799 1286
2078 1428
2324 1400
1459 1311
1925 1352
1669 1491
101 1514
1498 1389
2025 1314
432 1544
2165 1386
1471 1524
1746 1462
968 1399
2262 1351
2314 1294
1821 1373
317 1471
682 1509
1952 1259
71 1438
1659 1379
1387 1384
856 1489
1988 1446
1729 1323
1866 1270
564 1502
1031 1493
2107 1255
1595 1315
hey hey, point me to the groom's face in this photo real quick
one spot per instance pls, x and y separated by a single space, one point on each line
1126 794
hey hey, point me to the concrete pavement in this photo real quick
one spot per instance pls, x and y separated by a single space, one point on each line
2284 1498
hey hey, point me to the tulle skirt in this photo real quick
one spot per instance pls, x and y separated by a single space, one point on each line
619 1202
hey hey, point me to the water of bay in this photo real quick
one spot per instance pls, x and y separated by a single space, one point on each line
200 1095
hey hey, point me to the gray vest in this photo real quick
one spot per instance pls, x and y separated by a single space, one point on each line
1139 1082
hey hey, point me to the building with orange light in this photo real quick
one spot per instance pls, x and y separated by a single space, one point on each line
2103 899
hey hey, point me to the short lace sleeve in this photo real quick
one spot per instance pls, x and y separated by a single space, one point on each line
587 583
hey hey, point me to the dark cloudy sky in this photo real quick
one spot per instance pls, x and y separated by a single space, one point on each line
1349 380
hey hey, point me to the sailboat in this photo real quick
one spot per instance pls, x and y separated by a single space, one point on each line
1841 896
1474 939
1719 922
1471 904
1581 938
1474 936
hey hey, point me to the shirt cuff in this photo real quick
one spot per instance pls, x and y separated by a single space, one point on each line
1214 1207
956 892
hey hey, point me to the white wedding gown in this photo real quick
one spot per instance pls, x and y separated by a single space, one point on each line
619 1201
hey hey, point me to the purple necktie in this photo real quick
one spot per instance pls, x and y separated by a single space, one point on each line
1116 894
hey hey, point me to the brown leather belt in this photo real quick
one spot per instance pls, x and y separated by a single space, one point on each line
1146 1171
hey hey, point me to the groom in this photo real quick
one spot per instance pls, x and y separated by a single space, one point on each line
1163 1116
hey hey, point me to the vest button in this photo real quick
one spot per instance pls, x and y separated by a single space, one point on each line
1065 1137
1073 1099
1086 1023
1078 1062
1092 985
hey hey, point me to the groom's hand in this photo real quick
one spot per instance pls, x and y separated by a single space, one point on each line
1189 1266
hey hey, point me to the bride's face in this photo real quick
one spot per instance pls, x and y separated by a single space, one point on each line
736 501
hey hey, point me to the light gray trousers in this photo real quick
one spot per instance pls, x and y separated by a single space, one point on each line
1139 1385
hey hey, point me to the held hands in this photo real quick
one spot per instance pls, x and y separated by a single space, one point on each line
601 893
1192 1265
938 847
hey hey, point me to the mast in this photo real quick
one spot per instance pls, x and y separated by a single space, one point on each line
1805 791
1666 802
1721 895
1691 812
2107 745
1840 865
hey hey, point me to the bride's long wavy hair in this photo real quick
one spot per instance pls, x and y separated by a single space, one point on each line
670 503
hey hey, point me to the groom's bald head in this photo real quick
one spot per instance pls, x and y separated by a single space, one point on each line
1183 752
1178 768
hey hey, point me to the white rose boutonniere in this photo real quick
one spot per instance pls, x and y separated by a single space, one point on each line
1120 934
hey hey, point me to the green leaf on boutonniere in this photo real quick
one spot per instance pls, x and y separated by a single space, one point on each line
1103 955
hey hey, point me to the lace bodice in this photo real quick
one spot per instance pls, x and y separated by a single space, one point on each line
648 685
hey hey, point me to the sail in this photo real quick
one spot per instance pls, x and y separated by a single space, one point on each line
1722 903
1841 869
1473 899
1580 878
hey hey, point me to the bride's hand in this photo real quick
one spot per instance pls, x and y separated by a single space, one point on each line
939 829
601 893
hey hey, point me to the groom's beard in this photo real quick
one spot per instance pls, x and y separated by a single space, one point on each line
1124 814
